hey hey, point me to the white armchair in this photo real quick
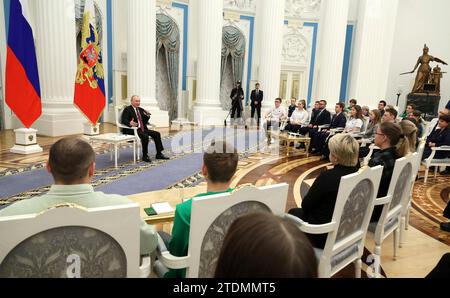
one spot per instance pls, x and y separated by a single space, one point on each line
394 204
118 113
348 227
435 162
210 219
68 241
406 212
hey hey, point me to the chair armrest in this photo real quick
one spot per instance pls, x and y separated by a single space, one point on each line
126 127
442 148
312 229
169 260
383 201
151 126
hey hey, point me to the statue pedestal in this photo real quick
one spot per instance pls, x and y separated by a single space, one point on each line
428 104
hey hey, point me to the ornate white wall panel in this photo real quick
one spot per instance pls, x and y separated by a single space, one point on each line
304 9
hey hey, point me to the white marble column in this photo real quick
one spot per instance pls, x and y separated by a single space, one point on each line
142 58
332 48
57 60
207 110
373 50
271 44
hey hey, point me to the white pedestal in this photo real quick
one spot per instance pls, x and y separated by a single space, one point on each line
90 130
26 142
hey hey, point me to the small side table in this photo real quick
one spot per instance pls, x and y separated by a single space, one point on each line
115 140
287 139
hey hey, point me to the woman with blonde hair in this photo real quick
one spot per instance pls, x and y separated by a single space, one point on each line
318 205
410 132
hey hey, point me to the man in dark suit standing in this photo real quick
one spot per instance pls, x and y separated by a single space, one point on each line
237 96
257 98
135 116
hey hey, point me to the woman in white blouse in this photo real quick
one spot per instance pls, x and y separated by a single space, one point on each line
355 123
299 118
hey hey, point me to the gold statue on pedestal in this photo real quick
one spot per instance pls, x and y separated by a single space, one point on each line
424 74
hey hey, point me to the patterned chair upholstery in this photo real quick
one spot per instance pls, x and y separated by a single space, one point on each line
51 253
394 204
212 243
348 228
210 219
69 241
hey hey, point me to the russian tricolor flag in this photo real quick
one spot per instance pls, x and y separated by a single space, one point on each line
23 93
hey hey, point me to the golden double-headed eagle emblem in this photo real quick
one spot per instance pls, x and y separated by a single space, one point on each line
89 63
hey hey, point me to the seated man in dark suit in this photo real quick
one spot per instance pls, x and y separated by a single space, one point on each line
439 137
135 116
339 120
323 118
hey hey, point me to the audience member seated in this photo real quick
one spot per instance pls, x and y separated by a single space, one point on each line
315 111
390 115
299 118
318 205
439 137
72 163
433 125
339 120
365 111
274 118
369 136
409 129
292 107
323 118
417 116
374 123
351 104
219 166
442 269
408 112
356 121
261 245
382 107
393 145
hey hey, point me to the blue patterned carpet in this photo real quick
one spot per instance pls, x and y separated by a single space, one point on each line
185 150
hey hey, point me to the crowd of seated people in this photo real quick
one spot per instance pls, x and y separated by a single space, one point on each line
252 237
339 121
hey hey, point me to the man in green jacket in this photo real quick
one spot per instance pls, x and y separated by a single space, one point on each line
219 166
72 164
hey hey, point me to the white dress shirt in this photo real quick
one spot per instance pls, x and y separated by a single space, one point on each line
300 117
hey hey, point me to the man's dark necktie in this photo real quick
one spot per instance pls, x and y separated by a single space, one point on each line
141 124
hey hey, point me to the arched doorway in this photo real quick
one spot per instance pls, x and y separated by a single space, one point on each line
167 64
233 59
